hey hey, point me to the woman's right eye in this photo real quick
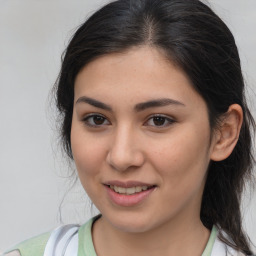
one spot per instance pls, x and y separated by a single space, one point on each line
95 120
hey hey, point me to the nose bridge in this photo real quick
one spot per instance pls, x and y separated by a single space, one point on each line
125 151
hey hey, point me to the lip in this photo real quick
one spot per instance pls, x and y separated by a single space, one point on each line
127 184
128 200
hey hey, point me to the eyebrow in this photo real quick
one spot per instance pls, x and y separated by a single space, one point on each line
94 103
157 103
138 107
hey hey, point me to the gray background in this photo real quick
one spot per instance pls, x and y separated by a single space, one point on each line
33 34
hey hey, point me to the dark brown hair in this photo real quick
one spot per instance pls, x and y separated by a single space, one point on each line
196 39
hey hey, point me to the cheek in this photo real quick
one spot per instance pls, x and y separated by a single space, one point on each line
183 157
87 152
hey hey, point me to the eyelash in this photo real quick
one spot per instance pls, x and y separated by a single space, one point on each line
167 121
86 120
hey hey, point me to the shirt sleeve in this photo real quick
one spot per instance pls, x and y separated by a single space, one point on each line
31 247
13 253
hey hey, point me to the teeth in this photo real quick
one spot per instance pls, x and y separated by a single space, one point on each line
138 189
128 191
120 190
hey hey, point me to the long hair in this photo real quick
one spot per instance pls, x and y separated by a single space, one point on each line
193 37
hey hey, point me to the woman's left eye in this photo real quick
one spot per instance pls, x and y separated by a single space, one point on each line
159 121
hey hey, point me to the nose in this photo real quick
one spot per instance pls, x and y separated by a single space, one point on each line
125 150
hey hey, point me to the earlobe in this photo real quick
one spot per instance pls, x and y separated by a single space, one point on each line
227 135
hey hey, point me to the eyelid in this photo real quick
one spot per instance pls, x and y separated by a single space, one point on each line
91 115
167 118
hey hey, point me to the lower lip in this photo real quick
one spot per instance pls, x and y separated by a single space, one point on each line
128 200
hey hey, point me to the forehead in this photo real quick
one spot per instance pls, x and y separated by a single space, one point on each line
138 75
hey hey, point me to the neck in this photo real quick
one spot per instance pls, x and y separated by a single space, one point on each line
173 238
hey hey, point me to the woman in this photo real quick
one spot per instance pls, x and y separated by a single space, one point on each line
154 116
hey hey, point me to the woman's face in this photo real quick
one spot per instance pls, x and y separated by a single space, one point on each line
140 139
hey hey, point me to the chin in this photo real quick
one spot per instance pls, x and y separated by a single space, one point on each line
132 228
131 224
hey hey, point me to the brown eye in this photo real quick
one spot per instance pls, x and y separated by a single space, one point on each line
159 120
98 120
95 120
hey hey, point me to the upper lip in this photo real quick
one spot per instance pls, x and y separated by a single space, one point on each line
127 184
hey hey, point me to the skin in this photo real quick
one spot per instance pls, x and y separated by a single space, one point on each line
128 144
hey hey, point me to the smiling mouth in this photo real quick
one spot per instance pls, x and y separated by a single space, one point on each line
131 190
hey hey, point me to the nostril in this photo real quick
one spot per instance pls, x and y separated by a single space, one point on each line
124 159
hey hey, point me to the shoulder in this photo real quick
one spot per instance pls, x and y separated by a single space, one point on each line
37 246
12 253
30 247
221 248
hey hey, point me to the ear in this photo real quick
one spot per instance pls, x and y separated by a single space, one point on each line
227 134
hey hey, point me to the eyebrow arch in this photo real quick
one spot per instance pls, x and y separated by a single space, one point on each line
138 107
94 103
157 103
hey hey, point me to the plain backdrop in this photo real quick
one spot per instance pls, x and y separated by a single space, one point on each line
33 174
